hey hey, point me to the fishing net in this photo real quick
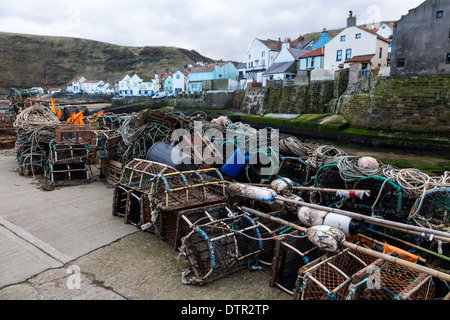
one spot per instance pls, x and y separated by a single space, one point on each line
220 247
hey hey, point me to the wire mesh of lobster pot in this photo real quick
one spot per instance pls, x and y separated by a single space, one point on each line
296 169
220 247
74 134
271 231
329 278
31 158
327 176
159 191
178 191
136 176
292 251
383 280
434 206
387 198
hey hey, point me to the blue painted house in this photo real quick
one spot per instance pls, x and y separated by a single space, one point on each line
323 40
204 78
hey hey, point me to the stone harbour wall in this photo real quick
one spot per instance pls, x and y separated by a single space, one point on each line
398 103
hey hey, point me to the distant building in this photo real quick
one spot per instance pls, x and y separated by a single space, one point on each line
312 60
323 40
354 42
136 86
168 84
260 57
54 90
77 84
204 78
421 40
180 79
285 65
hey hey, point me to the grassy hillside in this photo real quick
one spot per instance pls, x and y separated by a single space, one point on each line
45 61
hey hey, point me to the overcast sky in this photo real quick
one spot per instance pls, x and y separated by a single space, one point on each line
218 29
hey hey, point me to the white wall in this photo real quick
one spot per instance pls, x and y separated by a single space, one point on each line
366 45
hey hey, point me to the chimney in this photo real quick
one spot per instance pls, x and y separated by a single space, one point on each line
324 32
351 20
279 44
301 38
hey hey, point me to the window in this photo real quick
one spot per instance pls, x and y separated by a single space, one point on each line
249 57
381 53
348 54
358 36
310 63
439 14
400 63
342 38
448 58
339 55
263 54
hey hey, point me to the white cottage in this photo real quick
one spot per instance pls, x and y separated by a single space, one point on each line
260 56
355 44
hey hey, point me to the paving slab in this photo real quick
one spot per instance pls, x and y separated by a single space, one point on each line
64 223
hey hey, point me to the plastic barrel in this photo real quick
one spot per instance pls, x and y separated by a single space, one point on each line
164 153
235 163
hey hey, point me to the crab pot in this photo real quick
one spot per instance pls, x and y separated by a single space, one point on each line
188 219
271 231
74 134
296 169
327 176
221 247
386 198
164 192
61 153
133 208
383 280
329 278
67 172
31 158
292 251
120 200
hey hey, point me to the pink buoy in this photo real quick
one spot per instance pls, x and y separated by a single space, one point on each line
368 163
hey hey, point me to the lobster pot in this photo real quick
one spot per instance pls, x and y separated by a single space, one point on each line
8 135
271 231
179 191
120 200
329 278
327 176
74 134
69 172
221 247
110 121
163 192
384 280
296 169
386 200
113 172
61 153
292 251
434 206
31 158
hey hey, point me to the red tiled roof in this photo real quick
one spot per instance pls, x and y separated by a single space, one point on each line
318 52
54 89
365 58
